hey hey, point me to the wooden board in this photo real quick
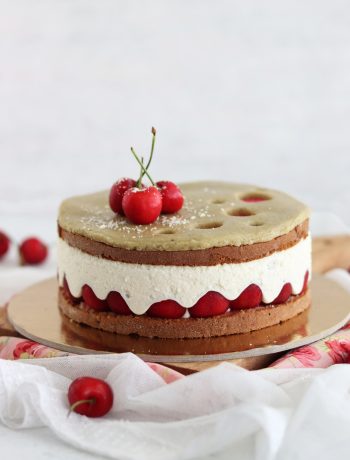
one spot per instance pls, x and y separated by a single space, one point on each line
330 252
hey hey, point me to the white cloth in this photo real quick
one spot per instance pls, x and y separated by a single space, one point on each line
268 414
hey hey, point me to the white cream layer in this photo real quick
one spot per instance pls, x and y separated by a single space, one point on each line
142 285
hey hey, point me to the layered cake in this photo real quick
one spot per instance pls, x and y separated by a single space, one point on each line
234 259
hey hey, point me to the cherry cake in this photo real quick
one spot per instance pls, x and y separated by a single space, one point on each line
235 258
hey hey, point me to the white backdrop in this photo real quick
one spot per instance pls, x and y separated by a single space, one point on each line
239 90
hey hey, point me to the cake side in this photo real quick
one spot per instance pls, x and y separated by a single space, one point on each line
234 322
142 285
209 256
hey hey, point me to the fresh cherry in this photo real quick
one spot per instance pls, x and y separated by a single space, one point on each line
142 206
250 297
211 304
32 251
4 244
117 192
68 293
91 300
90 396
171 195
117 304
166 309
284 295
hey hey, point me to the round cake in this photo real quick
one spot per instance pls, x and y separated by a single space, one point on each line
234 259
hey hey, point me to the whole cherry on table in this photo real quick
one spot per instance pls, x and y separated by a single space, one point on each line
32 251
4 244
90 396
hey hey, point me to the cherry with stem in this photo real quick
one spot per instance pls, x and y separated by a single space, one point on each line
139 181
144 169
78 403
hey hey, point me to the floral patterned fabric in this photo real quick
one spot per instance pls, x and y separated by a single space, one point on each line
18 348
334 349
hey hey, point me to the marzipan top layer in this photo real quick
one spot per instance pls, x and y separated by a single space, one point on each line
214 215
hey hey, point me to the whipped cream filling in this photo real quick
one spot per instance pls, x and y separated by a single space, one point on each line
142 285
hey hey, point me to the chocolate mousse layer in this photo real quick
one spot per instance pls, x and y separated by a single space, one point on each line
197 257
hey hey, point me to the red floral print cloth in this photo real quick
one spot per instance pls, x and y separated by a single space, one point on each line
16 348
334 349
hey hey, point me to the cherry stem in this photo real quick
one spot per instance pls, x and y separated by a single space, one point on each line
139 181
78 403
144 170
153 131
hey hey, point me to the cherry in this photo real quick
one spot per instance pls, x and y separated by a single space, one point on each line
171 195
4 244
250 297
117 192
166 309
68 293
90 396
32 251
117 304
284 295
91 300
211 304
142 206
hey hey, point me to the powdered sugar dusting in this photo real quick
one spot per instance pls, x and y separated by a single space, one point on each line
102 218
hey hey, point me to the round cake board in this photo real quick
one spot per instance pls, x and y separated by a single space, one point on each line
34 313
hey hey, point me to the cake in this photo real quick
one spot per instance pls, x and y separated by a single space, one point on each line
87 337
236 258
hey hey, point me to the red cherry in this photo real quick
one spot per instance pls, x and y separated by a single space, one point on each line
68 293
142 206
284 295
4 244
172 196
91 300
306 282
117 192
90 396
166 309
211 304
117 304
250 297
32 251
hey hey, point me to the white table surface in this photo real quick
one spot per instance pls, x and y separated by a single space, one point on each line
240 91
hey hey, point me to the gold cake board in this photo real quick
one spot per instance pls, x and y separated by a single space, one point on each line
34 313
